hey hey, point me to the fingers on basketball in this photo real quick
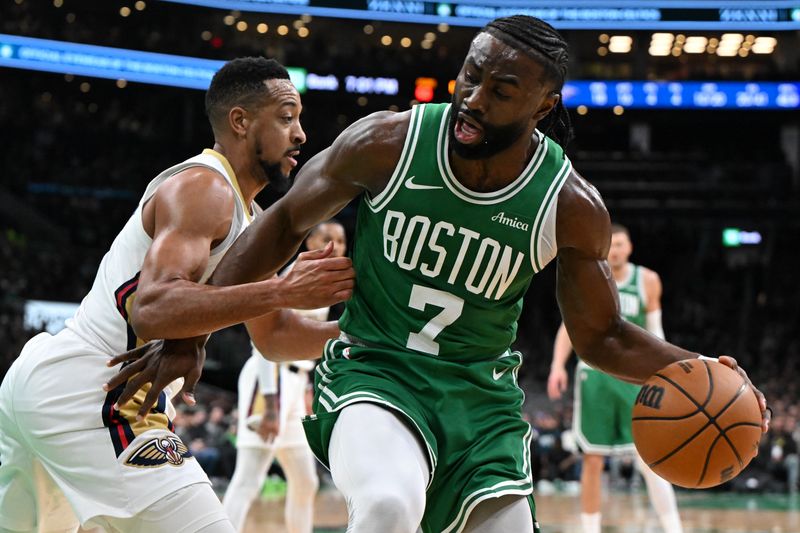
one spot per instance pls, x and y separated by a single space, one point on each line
696 423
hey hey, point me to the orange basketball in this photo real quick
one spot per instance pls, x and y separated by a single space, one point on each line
696 423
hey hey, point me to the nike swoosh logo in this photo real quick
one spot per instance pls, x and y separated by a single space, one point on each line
418 186
497 375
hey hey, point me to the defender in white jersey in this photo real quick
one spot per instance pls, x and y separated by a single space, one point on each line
69 453
272 404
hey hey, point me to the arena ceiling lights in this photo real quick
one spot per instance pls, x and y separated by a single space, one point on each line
731 15
727 45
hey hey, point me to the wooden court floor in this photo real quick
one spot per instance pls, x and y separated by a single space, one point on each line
701 511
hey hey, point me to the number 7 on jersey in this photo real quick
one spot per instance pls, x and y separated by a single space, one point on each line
451 305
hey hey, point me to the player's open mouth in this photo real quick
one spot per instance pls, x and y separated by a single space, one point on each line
467 131
291 157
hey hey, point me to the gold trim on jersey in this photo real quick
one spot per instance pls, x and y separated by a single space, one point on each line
153 420
229 169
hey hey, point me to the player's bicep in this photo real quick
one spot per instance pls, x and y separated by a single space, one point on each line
586 291
176 254
189 215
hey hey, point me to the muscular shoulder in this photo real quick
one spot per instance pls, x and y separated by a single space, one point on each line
197 198
369 149
582 221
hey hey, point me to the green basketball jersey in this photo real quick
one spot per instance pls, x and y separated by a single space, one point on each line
441 270
632 298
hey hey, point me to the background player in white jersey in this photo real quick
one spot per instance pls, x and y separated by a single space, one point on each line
603 404
272 403
70 450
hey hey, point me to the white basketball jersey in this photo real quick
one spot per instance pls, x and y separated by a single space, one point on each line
102 318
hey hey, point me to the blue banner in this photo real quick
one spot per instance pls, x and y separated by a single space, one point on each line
195 73
114 63
683 94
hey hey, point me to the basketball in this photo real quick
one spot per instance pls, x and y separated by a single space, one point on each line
696 423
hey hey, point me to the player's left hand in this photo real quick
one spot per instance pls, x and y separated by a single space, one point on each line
766 414
270 425
159 363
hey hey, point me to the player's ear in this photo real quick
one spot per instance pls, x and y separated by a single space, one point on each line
550 101
237 121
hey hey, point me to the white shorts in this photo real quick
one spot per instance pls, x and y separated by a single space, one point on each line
293 386
54 413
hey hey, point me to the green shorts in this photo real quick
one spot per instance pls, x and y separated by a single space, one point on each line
467 414
603 406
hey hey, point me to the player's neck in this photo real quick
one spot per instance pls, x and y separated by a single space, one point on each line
249 185
621 272
495 172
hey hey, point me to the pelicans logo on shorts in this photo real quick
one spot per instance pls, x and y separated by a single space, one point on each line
159 451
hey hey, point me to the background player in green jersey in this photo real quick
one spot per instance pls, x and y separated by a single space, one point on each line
418 428
603 404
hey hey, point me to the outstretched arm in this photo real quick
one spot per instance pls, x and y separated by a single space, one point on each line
589 301
588 297
360 159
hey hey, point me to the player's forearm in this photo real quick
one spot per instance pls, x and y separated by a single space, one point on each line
628 352
292 337
178 308
562 348
271 404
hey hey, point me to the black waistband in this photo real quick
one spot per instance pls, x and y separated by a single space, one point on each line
296 369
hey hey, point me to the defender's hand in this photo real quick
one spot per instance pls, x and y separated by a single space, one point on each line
317 280
159 363
270 423
557 382
766 414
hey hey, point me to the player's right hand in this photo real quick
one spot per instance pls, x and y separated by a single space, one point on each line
766 413
159 363
557 382
317 280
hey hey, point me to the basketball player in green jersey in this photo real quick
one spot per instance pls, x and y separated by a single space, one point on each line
603 404
417 410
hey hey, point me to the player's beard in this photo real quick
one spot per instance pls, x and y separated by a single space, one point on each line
495 138
278 181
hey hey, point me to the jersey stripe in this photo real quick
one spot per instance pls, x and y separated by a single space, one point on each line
234 181
510 487
122 425
406 156
551 194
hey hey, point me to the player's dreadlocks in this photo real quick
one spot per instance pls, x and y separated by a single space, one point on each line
541 41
